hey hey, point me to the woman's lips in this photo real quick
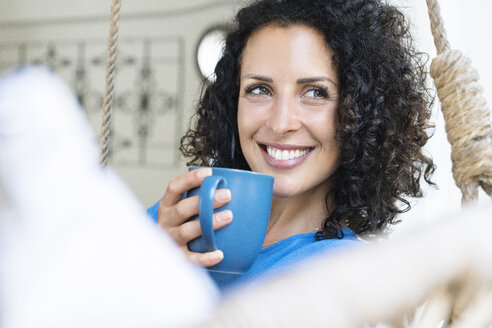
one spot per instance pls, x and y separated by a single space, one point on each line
285 156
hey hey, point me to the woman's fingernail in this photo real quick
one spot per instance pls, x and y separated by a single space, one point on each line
205 172
217 255
224 216
222 195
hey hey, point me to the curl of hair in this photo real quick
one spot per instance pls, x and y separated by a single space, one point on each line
383 112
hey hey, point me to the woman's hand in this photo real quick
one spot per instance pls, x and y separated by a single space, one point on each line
174 211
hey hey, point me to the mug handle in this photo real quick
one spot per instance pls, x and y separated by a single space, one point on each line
207 195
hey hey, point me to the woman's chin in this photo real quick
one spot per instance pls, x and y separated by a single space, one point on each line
284 192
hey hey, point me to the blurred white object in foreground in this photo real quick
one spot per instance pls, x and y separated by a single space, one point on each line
446 266
76 248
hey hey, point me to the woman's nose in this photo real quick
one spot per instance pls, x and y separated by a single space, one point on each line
283 118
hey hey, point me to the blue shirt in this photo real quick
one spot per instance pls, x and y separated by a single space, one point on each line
289 252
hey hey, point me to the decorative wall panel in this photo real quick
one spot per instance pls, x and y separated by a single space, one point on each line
148 90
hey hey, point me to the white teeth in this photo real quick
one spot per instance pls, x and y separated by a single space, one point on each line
278 154
283 155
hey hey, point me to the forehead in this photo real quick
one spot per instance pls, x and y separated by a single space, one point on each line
295 47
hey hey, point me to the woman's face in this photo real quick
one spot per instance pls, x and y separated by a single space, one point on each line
287 110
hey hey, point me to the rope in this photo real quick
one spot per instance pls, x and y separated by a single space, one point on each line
465 111
437 26
108 90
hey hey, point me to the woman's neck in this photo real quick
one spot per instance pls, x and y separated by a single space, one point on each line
298 214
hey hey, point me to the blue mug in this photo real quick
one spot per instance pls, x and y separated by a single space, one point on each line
241 241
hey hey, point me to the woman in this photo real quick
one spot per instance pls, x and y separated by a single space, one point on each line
328 97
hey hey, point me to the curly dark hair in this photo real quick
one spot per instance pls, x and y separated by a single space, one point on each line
383 111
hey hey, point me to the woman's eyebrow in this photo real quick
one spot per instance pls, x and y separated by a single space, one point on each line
315 79
299 81
257 77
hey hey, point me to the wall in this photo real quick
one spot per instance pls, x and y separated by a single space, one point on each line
167 32
155 57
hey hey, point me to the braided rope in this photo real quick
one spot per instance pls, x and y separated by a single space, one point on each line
465 111
110 74
467 120
437 26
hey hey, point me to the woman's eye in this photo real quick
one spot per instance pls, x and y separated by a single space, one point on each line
317 93
258 91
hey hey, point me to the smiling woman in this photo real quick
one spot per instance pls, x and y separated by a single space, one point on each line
287 108
329 98
287 119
